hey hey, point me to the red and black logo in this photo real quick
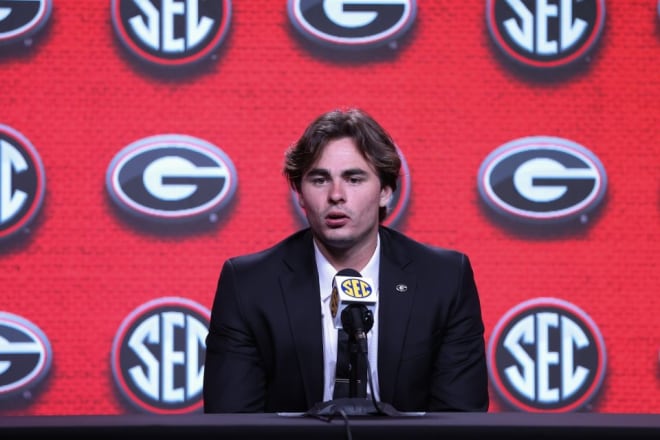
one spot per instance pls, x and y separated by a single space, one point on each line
22 182
541 180
25 356
352 23
546 355
548 33
158 356
171 33
172 178
21 19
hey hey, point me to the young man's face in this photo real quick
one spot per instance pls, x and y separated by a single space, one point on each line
341 195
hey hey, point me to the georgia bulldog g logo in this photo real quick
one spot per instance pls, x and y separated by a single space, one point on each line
542 180
22 19
172 178
26 357
352 23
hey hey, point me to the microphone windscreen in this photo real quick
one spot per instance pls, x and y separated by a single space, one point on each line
348 273
349 287
334 298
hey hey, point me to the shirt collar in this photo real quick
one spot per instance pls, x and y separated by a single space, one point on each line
327 271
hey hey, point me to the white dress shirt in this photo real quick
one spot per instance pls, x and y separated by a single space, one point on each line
326 274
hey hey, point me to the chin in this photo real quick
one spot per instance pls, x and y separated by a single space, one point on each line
338 238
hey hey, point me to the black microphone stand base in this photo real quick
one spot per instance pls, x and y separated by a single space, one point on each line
352 406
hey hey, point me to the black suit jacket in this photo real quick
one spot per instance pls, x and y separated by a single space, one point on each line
264 349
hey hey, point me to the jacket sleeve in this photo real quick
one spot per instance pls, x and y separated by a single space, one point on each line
460 374
234 377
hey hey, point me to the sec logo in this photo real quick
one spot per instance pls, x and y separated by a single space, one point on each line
545 33
356 288
171 33
22 182
546 355
158 356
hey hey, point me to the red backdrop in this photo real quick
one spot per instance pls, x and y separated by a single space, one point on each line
448 98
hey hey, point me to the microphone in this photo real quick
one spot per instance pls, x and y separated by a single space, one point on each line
353 303
357 320
350 294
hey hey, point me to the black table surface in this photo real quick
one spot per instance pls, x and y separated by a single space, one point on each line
512 425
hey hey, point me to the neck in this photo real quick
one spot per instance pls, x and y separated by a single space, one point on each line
351 257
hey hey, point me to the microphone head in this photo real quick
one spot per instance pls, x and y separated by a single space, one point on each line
348 273
349 287
334 298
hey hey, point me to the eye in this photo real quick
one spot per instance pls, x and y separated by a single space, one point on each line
318 180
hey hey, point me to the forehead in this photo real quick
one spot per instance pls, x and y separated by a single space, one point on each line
341 153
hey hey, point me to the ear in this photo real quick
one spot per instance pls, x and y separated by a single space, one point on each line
385 196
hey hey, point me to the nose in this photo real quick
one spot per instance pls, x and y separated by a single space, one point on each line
336 192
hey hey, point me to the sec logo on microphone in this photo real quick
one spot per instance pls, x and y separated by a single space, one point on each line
356 288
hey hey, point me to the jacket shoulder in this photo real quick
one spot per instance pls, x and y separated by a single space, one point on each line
293 247
401 243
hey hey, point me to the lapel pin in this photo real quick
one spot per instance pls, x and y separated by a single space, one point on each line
401 288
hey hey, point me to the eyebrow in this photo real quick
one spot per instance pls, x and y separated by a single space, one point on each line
346 173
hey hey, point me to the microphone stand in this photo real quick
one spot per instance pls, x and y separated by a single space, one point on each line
355 319
355 367
354 406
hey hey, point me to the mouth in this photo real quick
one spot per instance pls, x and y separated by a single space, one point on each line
336 219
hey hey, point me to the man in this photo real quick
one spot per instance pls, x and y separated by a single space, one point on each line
271 346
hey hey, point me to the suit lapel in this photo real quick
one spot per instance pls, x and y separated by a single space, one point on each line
396 293
300 291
